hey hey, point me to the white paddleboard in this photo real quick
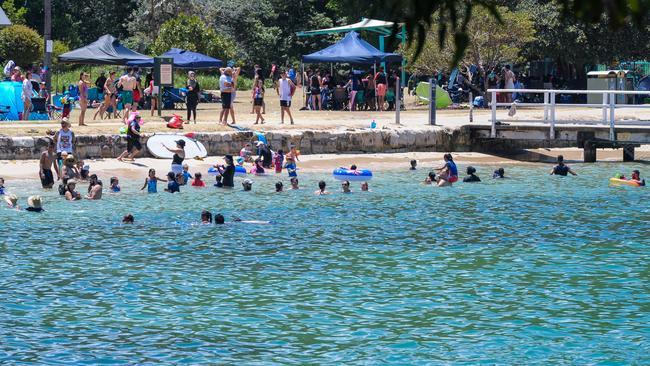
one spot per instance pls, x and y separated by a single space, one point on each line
156 146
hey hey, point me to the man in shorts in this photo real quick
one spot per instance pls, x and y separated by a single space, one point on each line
226 87
127 82
287 88
48 160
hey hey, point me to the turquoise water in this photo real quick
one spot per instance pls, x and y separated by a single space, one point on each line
529 270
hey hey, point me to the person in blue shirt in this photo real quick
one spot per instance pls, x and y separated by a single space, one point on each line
2 186
174 182
186 174
448 173
292 74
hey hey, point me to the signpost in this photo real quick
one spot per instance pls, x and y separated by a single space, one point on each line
432 101
163 77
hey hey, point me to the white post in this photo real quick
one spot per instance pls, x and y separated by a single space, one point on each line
302 81
605 105
552 130
493 131
545 107
471 106
612 112
398 104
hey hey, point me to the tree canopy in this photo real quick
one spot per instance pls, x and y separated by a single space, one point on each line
264 31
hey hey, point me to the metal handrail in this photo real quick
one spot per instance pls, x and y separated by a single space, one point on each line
608 104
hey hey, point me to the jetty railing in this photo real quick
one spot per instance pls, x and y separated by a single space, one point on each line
549 104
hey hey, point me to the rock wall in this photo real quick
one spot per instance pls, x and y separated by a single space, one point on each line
307 141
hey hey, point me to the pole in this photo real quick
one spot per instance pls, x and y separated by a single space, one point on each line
398 102
471 106
160 92
493 105
47 32
374 69
432 102
403 59
302 81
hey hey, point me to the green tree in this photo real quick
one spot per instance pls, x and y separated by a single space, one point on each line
16 15
191 33
21 44
490 42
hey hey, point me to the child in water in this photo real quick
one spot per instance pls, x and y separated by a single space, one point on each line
414 164
197 181
186 174
115 185
278 160
257 167
151 182
174 182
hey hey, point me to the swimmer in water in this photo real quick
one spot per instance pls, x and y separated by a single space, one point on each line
219 219
174 182
636 177
257 167
471 176
294 183
197 180
115 185
128 219
345 187
365 187
278 187
206 217
414 164
431 177
12 201
448 172
151 182
2 186
186 174
499 174
247 184
321 189
70 193
561 168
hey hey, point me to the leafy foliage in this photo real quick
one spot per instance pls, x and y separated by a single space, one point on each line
21 44
490 42
191 33
15 15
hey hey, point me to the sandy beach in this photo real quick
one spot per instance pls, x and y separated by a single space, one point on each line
27 169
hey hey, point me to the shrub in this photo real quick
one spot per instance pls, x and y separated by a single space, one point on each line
21 44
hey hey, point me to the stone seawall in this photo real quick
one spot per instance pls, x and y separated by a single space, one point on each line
308 141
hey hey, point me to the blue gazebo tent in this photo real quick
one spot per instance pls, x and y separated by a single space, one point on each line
107 50
184 59
353 50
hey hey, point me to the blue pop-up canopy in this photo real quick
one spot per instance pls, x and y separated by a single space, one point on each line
184 59
351 49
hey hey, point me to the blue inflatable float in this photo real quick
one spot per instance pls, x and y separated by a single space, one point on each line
357 175
240 171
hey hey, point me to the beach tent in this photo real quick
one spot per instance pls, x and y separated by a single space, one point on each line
10 92
184 59
107 50
351 49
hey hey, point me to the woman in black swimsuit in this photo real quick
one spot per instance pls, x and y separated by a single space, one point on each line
314 83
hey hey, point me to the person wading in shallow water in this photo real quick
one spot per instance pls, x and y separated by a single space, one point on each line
45 165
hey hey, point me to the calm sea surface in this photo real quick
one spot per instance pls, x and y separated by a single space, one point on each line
529 270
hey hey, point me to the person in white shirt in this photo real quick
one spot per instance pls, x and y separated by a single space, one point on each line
287 88
26 95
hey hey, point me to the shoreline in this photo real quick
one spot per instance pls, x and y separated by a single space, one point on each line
318 163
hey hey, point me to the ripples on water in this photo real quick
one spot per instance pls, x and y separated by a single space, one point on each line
532 269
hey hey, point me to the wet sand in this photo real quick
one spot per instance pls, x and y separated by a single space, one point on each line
105 168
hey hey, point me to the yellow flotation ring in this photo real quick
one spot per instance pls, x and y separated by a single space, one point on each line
619 182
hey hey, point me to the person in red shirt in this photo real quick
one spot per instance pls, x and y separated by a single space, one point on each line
197 181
